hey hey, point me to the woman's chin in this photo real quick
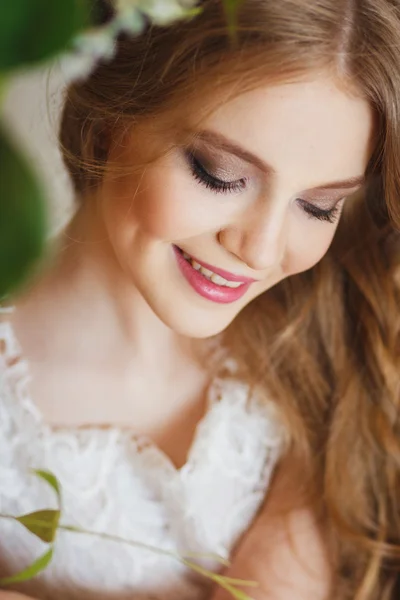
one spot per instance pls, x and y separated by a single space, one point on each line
192 323
197 327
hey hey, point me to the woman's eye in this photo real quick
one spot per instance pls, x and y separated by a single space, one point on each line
313 212
205 178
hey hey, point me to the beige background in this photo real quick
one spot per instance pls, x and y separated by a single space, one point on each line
31 110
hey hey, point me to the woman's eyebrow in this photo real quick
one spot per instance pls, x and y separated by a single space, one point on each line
349 183
221 142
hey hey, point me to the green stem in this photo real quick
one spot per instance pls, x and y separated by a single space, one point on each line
227 583
116 538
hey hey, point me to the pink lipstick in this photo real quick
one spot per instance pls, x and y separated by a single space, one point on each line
207 288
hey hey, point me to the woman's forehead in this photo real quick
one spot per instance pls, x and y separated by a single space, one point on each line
313 130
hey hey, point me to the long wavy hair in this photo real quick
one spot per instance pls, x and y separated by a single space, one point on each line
323 344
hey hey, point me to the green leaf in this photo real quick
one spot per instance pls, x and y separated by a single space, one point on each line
36 567
52 481
42 523
22 216
34 30
227 583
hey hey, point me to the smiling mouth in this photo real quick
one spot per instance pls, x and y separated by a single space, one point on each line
210 275
214 274
208 283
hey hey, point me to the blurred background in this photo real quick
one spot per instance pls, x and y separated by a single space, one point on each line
31 110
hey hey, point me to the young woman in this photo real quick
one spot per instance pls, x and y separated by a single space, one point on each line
213 345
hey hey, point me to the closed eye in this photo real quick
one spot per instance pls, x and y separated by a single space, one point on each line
313 212
205 178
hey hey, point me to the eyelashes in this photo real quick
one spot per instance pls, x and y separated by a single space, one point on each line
219 186
313 212
210 181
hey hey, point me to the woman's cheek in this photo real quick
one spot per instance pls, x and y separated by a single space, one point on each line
170 207
307 246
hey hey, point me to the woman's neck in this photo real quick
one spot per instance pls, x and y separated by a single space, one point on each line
83 291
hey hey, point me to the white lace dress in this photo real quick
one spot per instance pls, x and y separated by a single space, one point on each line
123 485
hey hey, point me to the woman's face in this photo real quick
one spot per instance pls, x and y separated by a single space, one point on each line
256 198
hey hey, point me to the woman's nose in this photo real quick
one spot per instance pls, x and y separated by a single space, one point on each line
258 238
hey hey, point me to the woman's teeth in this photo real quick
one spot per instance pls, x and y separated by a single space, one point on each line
217 279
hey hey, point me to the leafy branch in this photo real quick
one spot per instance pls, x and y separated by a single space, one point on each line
45 523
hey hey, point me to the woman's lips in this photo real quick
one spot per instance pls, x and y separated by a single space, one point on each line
208 289
225 274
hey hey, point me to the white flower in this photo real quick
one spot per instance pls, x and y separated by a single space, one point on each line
129 19
99 43
75 67
161 12
88 48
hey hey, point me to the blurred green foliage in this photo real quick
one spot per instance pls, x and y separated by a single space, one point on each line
31 31
22 216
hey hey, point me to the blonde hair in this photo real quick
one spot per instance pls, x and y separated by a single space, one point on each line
324 344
